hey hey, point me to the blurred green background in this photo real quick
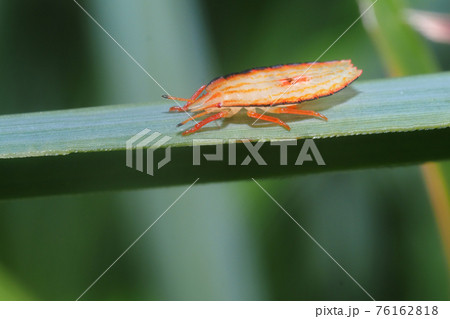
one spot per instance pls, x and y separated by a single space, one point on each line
224 241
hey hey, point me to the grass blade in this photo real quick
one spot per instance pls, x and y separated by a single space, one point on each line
83 149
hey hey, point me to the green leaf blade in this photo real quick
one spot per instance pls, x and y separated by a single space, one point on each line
83 149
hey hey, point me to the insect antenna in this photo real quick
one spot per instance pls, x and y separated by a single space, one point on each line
174 98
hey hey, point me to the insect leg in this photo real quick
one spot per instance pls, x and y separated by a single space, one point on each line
189 101
197 93
288 110
192 117
268 118
205 121
290 105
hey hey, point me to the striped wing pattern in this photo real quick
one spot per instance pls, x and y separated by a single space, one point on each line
277 85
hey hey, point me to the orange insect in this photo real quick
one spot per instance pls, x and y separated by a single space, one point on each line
274 89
